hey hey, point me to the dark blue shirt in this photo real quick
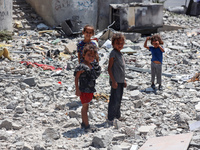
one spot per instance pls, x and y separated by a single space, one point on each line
157 54
80 47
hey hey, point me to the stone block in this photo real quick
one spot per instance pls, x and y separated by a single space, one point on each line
102 139
30 81
146 129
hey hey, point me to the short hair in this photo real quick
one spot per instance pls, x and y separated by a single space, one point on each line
88 26
156 38
117 37
90 47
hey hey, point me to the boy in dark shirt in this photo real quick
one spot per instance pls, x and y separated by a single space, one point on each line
116 70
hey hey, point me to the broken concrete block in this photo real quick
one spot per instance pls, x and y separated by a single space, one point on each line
42 26
6 124
197 107
138 104
135 94
123 146
30 81
51 133
194 125
107 44
102 138
73 114
120 137
45 85
146 129
107 34
128 50
178 10
134 147
70 27
70 47
72 122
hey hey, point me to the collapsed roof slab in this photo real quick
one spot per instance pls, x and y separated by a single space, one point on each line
172 142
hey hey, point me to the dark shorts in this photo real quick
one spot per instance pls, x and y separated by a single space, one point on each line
86 97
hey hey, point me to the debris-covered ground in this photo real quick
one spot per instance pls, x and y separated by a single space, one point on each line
39 109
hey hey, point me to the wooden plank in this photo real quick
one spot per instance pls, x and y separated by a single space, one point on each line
173 142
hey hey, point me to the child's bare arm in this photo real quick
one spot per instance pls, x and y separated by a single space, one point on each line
78 92
161 48
114 83
145 43
125 83
79 57
97 58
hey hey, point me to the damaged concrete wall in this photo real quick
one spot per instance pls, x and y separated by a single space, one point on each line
136 16
93 12
54 12
103 17
82 11
6 8
44 9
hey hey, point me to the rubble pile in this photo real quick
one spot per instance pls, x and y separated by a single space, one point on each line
39 109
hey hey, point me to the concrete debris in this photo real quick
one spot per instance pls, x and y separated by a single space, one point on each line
42 26
71 27
178 10
39 109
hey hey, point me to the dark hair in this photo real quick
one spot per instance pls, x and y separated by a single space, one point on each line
118 37
88 26
156 38
90 47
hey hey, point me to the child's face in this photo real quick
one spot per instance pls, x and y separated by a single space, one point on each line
88 33
155 44
118 44
89 56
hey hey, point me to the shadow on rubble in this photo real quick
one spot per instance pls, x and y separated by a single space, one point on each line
149 90
74 105
76 132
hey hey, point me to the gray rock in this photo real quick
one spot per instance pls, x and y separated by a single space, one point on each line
6 124
72 122
19 110
30 81
73 114
38 147
102 138
12 105
51 133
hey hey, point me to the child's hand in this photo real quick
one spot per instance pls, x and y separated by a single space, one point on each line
148 38
125 84
82 71
114 85
78 92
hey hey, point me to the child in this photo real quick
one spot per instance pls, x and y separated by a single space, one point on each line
116 70
88 32
85 75
157 57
